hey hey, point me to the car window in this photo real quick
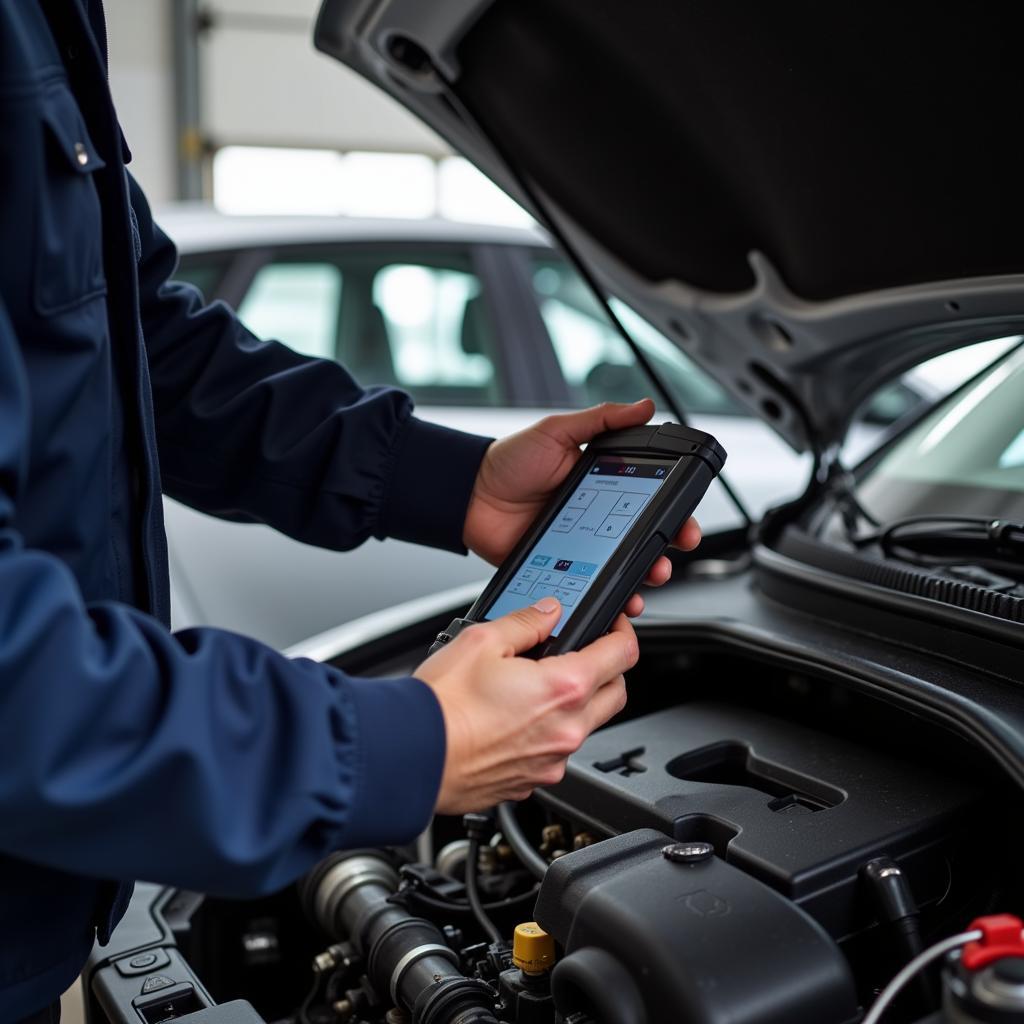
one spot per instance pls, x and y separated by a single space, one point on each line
890 403
598 364
418 321
297 303
438 329
903 400
965 458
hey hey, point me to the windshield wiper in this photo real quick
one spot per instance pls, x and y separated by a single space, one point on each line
936 541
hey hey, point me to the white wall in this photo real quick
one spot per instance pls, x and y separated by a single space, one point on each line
261 83
264 84
141 79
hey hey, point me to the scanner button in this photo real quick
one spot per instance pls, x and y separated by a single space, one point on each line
157 982
142 963
629 504
613 526
564 597
566 520
550 579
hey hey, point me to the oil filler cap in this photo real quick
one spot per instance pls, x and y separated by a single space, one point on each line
533 950
687 853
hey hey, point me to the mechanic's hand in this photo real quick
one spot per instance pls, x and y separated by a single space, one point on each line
511 723
520 473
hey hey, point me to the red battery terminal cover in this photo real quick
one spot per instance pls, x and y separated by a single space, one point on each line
1002 935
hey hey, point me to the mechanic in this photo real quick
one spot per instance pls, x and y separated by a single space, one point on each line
205 759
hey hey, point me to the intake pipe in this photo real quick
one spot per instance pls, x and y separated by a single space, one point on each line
406 957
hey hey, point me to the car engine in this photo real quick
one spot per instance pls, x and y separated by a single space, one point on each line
716 861
702 863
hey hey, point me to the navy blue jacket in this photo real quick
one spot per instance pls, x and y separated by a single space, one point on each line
201 759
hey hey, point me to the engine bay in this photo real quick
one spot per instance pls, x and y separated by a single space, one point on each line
747 844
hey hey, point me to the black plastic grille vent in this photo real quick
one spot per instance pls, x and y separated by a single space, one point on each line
903 578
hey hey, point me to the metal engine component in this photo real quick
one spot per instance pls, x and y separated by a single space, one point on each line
992 995
407 960
451 859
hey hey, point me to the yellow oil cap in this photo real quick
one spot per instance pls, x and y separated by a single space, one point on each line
533 950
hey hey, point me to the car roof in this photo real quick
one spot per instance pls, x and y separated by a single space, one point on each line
197 227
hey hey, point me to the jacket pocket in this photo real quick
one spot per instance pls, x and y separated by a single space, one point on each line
69 222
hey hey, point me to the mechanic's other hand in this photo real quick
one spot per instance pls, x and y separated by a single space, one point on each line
511 722
520 473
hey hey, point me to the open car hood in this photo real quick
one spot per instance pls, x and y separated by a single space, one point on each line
807 198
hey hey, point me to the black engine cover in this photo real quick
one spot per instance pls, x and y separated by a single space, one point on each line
800 810
649 940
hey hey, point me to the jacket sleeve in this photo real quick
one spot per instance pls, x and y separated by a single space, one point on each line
249 429
202 760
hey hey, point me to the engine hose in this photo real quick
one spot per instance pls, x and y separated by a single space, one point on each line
406 957
513 833
473 883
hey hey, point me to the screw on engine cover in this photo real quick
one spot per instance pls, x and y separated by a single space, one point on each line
687 853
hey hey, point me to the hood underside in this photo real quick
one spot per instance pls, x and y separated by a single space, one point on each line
807 198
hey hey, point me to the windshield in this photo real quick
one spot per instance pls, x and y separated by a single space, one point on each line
965 458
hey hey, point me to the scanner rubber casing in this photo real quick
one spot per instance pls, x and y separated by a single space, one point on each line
699 460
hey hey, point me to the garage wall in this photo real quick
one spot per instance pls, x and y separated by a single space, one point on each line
141 79
260 83
264 84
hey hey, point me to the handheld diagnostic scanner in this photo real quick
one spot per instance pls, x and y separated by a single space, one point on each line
626 499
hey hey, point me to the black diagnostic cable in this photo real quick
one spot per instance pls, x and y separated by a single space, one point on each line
896 906
931 540
479 828
579 264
